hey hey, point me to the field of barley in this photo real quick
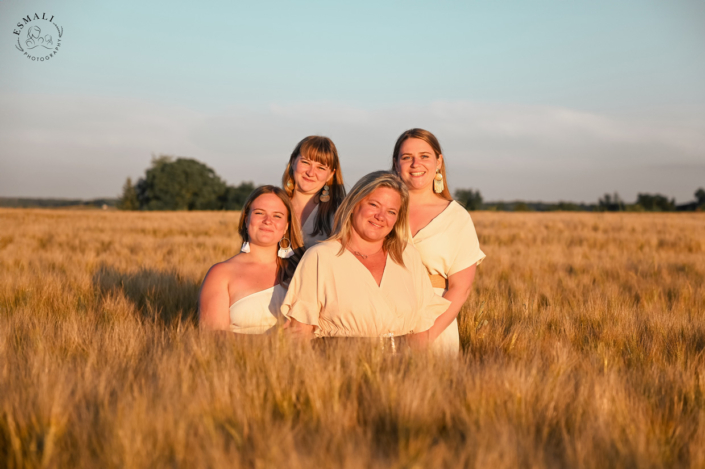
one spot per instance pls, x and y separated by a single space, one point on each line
584 347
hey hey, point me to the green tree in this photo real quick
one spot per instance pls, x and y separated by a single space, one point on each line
611 203
522 207
128 200
234 197
181 184
656 203
470 199
700 197
566 206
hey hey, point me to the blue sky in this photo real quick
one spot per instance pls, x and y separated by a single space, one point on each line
551 100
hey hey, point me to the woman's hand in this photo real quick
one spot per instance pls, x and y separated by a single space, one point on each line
299 330
419 340
459 287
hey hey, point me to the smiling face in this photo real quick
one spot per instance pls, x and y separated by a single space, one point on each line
374 217
310 176
416 164
267 220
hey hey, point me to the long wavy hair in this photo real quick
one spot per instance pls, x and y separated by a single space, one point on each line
397 239
431 139
321 150
285 267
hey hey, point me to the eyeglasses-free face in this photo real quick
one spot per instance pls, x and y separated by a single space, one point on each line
310 176
267 221
375 216
417 164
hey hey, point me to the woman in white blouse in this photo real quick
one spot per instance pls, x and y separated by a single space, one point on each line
314 182
441 230
244 293
367 280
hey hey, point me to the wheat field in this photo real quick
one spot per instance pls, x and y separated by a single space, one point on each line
584 343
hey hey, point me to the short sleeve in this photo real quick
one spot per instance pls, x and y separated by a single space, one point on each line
431 305
302 298
469 251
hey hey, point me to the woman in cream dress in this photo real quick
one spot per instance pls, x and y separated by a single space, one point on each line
441 229
244 293
314 182
367 280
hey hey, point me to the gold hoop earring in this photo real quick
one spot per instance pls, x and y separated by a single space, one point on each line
289 184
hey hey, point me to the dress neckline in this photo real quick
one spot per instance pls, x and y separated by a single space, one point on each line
372 277
311 216
255 293
432 219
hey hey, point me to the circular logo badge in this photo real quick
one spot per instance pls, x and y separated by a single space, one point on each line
38 37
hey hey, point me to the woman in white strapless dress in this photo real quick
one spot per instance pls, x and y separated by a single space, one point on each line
441 230
244 293
314 183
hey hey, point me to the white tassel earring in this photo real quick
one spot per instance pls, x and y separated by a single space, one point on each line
285 252
438 182
245 247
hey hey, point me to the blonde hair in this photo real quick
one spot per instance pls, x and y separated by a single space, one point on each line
321 150
431 139
285 267
397 239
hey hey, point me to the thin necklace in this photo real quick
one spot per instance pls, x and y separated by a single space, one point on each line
359 254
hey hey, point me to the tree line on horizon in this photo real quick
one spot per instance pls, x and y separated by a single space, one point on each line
182 184
188 184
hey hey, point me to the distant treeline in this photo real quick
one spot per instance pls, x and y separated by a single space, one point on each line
182 184
188 184
14 202
472 200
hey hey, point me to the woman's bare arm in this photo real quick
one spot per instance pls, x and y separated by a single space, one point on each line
213 300
459 286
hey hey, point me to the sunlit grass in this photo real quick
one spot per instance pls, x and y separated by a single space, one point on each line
584 346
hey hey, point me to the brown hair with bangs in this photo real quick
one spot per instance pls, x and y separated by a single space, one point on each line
321 150
285 267
431 139
398 238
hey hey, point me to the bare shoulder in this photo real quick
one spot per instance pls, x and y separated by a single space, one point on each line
222 271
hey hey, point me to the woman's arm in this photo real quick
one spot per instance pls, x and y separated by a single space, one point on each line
302 305
459 286
299 330
213 300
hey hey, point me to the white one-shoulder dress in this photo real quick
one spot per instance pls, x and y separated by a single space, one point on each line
258 312
448 244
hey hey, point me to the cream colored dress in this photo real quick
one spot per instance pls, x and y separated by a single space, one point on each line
258 312
449 244
309 227
339 296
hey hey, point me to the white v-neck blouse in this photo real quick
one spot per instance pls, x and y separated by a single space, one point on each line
339 296
449 244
